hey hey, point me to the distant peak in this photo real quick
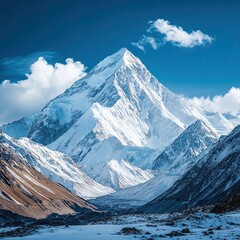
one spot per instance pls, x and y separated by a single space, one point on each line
199 124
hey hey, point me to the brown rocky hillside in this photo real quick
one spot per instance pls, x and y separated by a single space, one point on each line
25 191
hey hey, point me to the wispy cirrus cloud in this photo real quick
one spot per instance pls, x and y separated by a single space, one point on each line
146 40
44 82
173 34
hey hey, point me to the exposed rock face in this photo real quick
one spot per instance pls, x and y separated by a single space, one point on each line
228 205
213 179
187 148
25 191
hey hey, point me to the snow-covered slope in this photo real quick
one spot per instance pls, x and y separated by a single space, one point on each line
215 177
171 164
56 166
119 111
182 153
221 123
123 174
235 120
137 195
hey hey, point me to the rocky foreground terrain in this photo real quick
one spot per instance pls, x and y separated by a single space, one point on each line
184 225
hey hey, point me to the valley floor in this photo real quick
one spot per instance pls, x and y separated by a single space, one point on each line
148 227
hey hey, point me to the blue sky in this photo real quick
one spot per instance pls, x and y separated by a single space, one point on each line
90 30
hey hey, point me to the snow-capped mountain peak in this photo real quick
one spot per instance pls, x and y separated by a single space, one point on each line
122 57
202 128
186 149
118 111
109 66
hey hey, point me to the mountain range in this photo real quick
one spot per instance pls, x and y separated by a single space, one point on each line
215 177
169 166
120 139
118 112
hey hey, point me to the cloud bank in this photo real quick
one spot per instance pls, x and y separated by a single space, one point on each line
15 68
227 103
44 82
172 34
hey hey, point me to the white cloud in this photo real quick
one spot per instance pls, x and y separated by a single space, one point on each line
227 103
146 40
45 82
14 68
173 34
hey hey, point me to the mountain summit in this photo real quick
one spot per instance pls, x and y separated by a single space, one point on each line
119 111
